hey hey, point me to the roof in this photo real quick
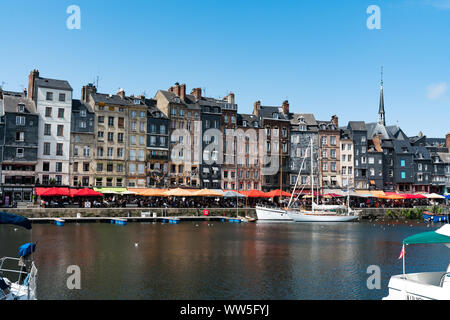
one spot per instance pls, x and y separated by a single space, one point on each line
397 133
111 99
401 145
77 105
269 111
445 157
421 153
250 118
53 84
376 128
326 125
308 118
153 110
189 102
357 126
10 104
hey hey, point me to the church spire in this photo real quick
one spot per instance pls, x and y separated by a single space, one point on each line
381 114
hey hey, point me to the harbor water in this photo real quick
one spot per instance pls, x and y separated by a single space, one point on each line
217 260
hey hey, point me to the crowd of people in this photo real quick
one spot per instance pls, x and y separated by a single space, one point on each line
118 201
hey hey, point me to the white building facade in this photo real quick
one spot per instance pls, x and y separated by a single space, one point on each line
53 99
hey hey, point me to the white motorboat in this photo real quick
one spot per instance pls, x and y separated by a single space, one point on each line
23 268
272 214
425 285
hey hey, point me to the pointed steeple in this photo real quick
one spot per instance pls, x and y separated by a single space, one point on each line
381 114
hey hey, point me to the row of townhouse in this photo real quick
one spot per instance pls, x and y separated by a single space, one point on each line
188 140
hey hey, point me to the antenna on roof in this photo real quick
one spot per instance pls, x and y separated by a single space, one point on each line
381 75
96 80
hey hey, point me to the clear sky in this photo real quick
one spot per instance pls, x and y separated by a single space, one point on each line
320 55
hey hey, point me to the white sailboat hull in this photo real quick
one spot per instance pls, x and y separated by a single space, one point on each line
269 214
307 216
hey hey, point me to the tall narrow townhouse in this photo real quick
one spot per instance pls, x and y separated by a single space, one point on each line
82 145
111 132
53 99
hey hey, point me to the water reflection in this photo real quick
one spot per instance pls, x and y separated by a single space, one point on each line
221 261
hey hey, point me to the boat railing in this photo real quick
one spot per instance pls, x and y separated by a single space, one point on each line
26 281
441 283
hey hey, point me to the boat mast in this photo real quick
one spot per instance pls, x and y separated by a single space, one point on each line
281 174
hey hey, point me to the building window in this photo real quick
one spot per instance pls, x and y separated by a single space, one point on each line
47 129
86 151
403 175
110 152
60 130
20 121
110 136
111 121
109 167
58 180
59 149
402 163
58 167
61 113
119 167
48 112
49 96
46 166
99 167
101 119
46 148
20 136
333 140
119 152
83 124
98 182
121 122
62 97
19 152
120 137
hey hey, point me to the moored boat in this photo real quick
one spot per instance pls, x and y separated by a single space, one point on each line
22 268
424 285
434 217
272 214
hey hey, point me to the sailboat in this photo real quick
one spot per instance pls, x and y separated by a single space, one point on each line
22 268
322 213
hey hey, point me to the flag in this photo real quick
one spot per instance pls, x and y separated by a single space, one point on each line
402 254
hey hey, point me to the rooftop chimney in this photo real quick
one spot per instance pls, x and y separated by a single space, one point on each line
256 107
447 141
286 107
335 121
183 92
121 93
86 92
31 81
197 93
230 98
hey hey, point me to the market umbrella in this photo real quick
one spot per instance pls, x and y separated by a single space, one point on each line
414 196
86 192
178 192
153 192
233 194
56 192
255 194
208 193
276 193
434 196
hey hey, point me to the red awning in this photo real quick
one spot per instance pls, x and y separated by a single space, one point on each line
86 192
255 194
53 192
334 195
276 193
414 196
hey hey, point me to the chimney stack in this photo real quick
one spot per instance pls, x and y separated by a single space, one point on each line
197 93
230 98
31 81
335 121
286 107
183 92
256 107
86 92
179 90
447 141
121 93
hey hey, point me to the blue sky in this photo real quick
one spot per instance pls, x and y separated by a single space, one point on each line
319 55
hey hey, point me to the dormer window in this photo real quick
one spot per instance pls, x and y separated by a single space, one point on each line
275 115
21 108
137 101
244 123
